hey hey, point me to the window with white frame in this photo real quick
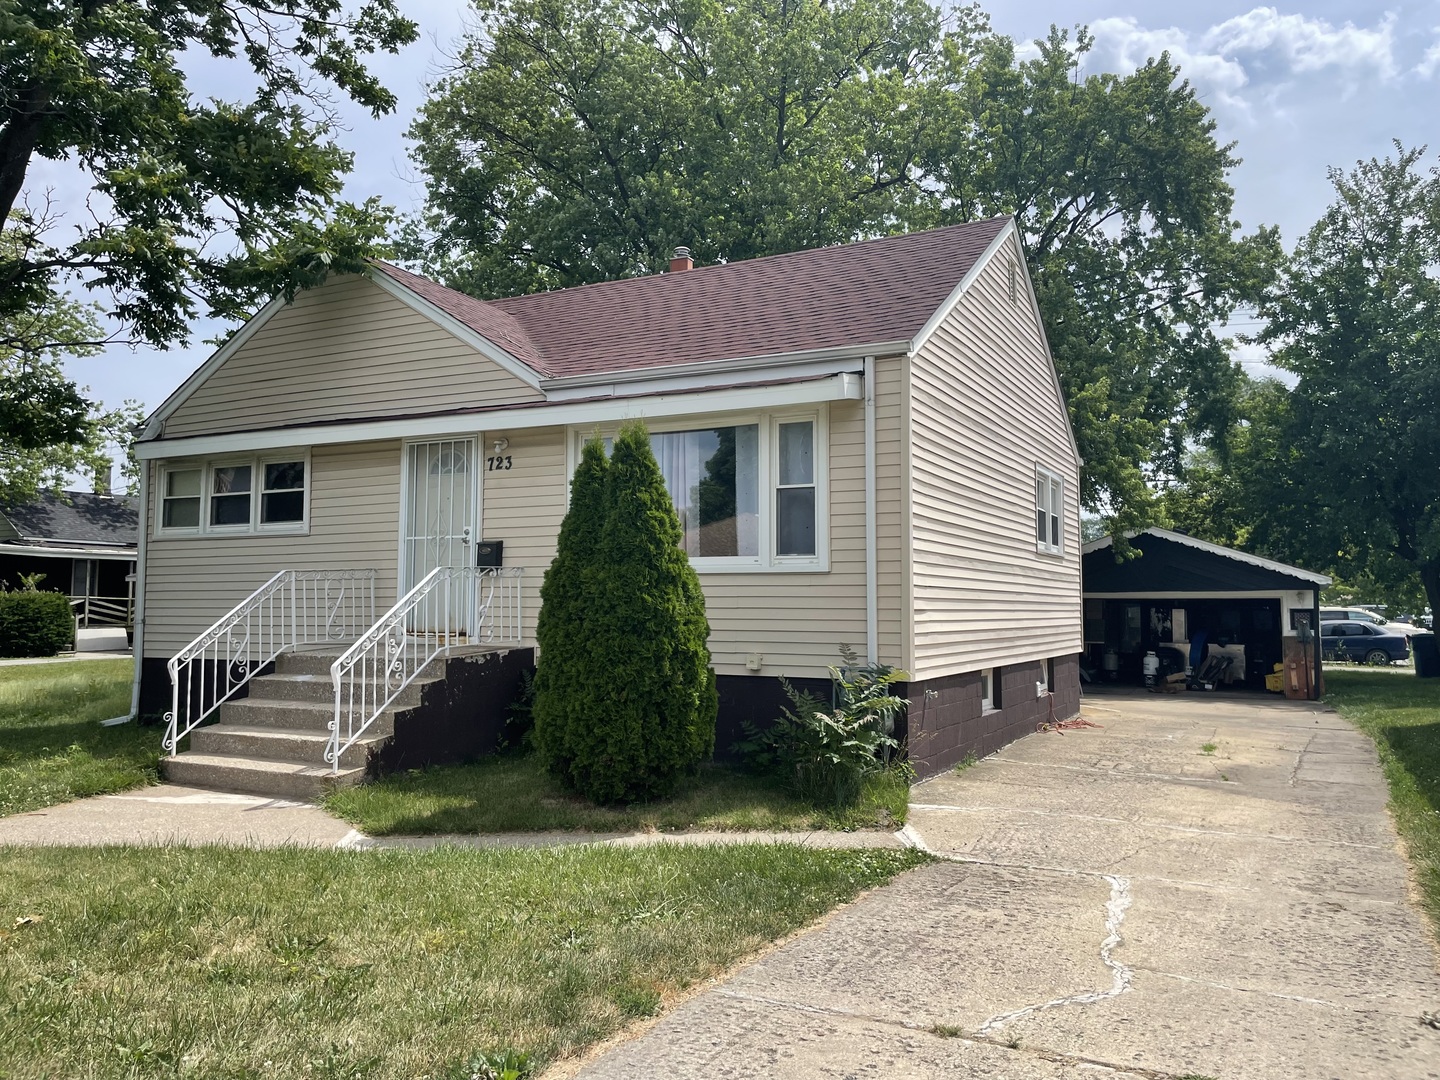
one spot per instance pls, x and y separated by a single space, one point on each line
987 690
749 493
1049 512
234 496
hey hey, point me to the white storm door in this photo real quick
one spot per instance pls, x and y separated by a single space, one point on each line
441 512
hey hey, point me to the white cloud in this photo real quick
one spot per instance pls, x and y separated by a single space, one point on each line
1248 61
1430 63
1307 44
1132 44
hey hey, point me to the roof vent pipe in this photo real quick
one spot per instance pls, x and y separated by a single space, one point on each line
681 261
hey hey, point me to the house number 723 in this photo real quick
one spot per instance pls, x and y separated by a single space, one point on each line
497 463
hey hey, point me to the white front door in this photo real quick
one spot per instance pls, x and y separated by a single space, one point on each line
441 516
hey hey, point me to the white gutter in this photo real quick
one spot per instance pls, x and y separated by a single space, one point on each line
678 372
872 574
138 649
113 554
837 387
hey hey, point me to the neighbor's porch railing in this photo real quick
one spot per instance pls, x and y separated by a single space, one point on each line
295 607
450 608
93 611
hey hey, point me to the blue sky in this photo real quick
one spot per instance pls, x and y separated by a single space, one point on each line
1297 88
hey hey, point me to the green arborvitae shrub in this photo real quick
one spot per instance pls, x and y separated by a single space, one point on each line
564 691
650 700
35 623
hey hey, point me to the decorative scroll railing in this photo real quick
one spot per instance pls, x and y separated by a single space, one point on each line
295 607
450 608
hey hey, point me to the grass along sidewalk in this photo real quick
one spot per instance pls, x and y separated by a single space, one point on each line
52 747
514 793
1402 716
228 963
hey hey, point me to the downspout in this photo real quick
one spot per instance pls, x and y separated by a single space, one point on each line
138 648
1315 677
872 574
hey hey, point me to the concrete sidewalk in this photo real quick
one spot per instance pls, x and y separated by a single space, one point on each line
1111 902
172 814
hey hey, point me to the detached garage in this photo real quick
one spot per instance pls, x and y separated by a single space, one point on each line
1191 603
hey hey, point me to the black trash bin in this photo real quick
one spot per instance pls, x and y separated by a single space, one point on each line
1427 656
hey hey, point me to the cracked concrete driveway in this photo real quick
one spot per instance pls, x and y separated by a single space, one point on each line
1201 887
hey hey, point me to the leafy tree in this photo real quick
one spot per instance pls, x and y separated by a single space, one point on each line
569 598
577 142
573 144
648 713
1356 317
194 204
1120 192
51 430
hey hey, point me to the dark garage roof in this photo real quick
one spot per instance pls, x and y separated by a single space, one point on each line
1174 563
75 518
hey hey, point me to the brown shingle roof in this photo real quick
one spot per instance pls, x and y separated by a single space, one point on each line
873 292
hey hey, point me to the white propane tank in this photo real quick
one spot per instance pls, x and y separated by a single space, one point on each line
1110 663
1151 667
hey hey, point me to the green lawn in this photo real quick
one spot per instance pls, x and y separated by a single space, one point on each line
1402 714
51 747
515 794
227 963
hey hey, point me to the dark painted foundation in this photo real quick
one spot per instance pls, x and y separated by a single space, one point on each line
756 700
945 724
463 716
156 695
459 718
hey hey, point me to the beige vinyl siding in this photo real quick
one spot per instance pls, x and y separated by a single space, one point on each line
523 507
354 523
796 621
891 374
984 412
344 350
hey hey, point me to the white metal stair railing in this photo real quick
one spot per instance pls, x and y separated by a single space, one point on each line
293 608
452 607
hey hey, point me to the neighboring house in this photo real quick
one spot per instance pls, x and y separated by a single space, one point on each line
1179 590
84 544
866 444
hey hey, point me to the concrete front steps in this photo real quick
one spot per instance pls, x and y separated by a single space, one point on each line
273 742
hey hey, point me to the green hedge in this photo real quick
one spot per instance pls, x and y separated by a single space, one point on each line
35 623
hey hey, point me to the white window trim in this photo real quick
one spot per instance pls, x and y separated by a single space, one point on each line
767 562
207 467
987 691
1050 480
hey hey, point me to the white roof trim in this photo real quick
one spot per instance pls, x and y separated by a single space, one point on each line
676 372
1214 549
943 311
481 344
155 421
59 552
845 386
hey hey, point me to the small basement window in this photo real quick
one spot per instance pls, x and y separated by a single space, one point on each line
987 690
